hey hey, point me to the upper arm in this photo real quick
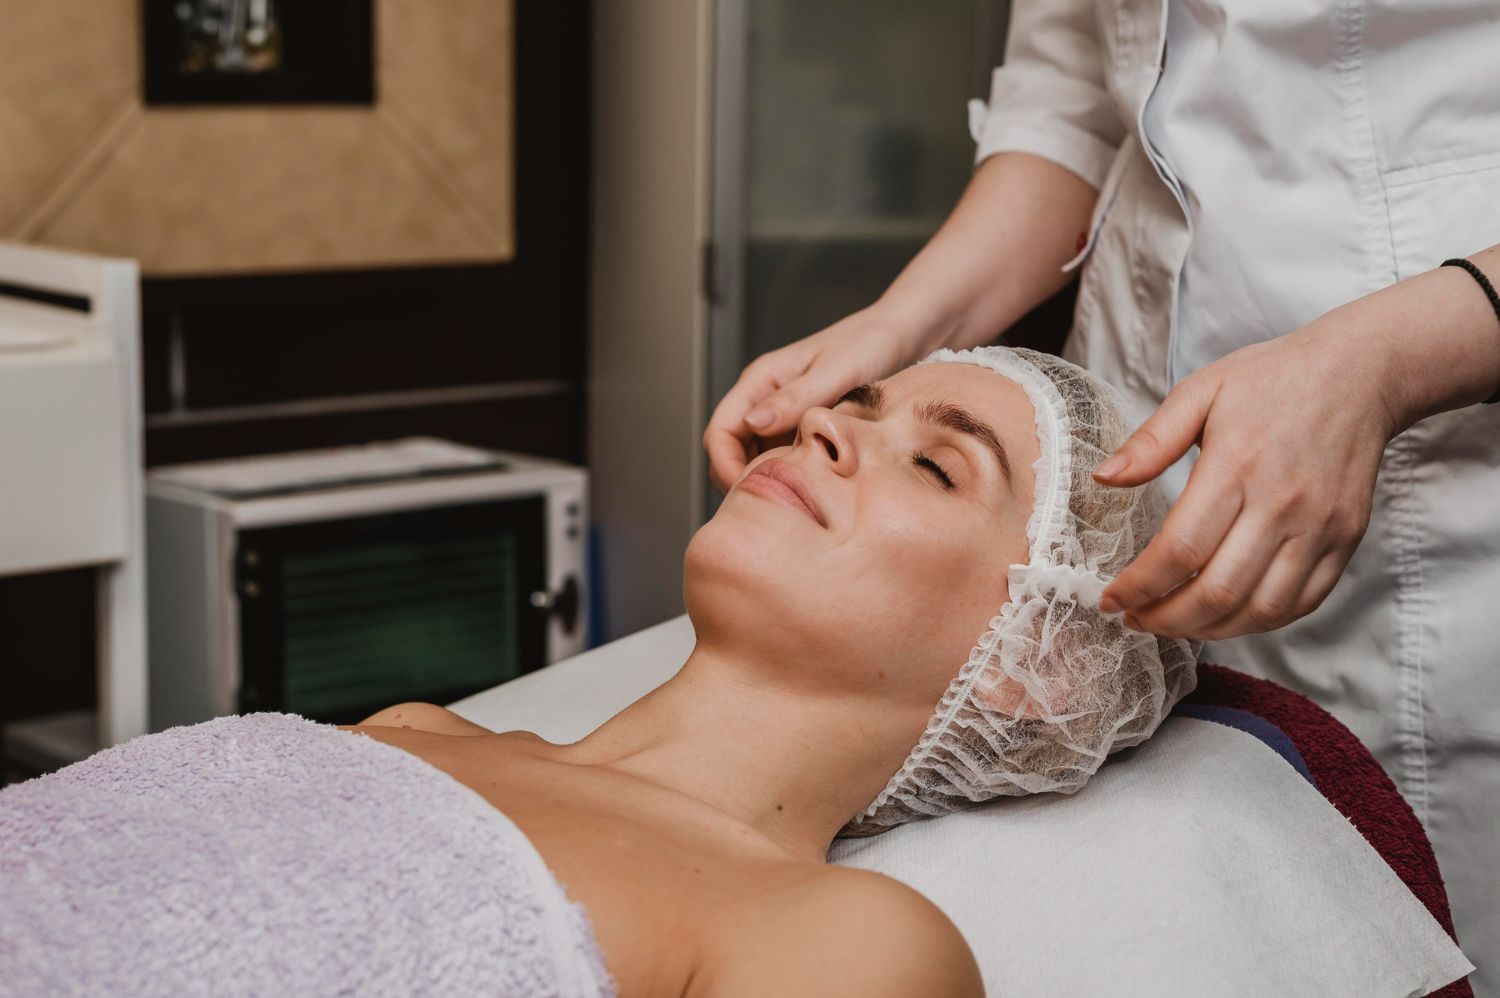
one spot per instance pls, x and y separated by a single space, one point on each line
425 717
853 933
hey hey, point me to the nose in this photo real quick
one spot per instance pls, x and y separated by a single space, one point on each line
829 434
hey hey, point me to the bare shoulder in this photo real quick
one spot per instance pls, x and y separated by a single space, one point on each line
844 931
424 717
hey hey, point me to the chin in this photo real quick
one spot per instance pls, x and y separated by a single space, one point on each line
749 551
723 557
740 577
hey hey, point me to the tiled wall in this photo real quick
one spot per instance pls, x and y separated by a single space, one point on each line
423 176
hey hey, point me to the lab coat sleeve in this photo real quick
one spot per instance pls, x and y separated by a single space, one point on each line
1049 98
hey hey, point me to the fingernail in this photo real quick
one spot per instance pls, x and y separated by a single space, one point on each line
1111 466
760 418
1109 604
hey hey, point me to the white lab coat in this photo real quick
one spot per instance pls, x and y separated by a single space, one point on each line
1260 162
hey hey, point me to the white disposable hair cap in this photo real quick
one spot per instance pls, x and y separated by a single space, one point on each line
1055 684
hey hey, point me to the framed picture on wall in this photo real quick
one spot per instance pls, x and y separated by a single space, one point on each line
258 51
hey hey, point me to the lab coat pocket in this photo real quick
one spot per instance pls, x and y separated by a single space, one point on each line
1443 210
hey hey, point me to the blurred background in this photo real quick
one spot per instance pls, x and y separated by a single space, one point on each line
533 241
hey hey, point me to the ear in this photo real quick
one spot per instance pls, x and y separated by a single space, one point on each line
1048 652
1009 697
1025 686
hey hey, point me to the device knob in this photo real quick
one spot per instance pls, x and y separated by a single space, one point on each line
562 603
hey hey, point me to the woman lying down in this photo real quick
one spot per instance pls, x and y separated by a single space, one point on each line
836 596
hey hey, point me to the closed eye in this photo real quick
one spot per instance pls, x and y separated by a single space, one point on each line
923 461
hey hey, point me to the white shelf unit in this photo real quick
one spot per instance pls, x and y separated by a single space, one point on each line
71 488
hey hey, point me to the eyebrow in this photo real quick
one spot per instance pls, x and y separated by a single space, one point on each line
945 414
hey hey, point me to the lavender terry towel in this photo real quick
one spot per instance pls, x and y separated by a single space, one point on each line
270 855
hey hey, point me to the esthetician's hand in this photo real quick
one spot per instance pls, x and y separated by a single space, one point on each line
1291 433
773 392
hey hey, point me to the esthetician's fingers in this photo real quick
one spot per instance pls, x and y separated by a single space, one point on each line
728 439
1191 533
1221 588
728 453
1157 444
1325 575
776 389
781 411
1273 602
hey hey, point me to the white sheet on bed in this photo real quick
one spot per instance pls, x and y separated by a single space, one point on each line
1199 864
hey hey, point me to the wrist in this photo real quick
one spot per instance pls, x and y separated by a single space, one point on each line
1487 348
911 330
1356 358
1427 344
1439 342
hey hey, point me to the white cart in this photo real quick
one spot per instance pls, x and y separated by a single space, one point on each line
70 470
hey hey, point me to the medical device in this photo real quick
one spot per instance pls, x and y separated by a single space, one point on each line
332 583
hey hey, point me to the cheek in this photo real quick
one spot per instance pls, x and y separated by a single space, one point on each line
937 577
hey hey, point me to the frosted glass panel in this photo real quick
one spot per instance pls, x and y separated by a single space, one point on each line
852 147
857 123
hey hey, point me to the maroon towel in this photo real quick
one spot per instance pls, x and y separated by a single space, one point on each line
1348 775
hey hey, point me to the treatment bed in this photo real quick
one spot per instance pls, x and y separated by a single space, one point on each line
1253 846
1250 847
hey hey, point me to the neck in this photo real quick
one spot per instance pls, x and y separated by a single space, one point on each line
793 765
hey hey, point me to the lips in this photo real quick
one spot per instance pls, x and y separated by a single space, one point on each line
781 480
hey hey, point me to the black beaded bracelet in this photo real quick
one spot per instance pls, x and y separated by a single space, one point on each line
1489 291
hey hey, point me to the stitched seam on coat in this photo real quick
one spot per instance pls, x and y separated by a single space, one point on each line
1455 167
1083 307
1349 63
1139 334
1125 39
1409 600
1381 271
1172 184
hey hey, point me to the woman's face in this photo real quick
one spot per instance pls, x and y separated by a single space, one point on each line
870 554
